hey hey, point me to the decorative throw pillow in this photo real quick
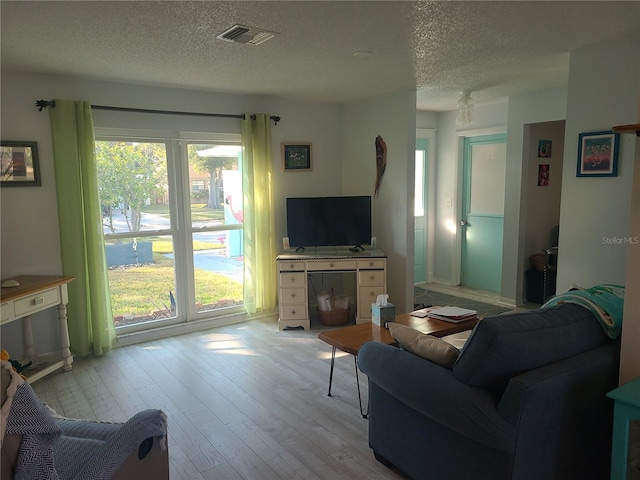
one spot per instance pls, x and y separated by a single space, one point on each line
425 346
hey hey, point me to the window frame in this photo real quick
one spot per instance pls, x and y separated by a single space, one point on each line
181 227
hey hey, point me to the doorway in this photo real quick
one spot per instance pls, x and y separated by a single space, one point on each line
482 218
419 213
424 205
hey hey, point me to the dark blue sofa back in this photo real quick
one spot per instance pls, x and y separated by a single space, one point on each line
503 346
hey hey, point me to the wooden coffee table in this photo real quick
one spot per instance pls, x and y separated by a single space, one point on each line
350 339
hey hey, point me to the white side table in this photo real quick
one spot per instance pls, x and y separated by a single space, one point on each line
34 294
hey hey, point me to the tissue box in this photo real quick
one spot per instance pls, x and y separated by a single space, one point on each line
382 314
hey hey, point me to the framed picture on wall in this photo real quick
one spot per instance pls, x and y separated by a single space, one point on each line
543 175
598 154
296 156
544 148
20 165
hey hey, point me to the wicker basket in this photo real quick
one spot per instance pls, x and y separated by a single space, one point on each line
539 261
334 317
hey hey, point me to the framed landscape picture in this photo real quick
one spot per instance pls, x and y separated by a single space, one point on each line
19 164
296 156
598 154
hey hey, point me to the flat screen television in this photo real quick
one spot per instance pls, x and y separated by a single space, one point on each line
329 221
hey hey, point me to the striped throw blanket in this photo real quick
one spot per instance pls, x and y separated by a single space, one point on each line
58 448
23 413
606 301
91 450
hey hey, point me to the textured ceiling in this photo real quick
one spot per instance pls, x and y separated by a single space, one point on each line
495 49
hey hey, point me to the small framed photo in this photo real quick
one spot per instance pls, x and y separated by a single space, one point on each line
296 156
543 175
544 148
598 154
19 164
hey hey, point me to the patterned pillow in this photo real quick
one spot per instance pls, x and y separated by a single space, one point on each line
425 346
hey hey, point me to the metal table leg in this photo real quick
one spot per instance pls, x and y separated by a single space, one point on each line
355 361
333 360
364 415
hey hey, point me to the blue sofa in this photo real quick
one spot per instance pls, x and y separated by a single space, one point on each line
525 399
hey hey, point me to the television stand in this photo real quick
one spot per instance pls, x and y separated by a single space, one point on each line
369 266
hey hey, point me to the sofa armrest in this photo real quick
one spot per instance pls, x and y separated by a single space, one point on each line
154 466
580 379
435 392
9 456
98 450
556 404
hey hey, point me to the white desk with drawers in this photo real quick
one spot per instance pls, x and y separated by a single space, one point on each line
369 266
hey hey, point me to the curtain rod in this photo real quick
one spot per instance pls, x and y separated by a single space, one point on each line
41 104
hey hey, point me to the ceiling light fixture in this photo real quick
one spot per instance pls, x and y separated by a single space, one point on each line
465 109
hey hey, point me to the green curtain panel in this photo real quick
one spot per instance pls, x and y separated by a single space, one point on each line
259 220
91 326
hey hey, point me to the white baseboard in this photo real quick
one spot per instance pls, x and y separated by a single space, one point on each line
468 293
190 327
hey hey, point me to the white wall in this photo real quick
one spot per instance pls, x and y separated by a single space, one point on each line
593 209
30 235
320 124
543 106
393 117
427 119
630 353
343 139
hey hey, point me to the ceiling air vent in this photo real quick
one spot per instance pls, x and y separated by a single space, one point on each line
246 35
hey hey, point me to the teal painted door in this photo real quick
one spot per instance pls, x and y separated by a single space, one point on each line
482 221
420 213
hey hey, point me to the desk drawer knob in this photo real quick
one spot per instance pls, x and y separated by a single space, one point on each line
38 300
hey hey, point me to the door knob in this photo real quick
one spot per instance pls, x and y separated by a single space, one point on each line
463 223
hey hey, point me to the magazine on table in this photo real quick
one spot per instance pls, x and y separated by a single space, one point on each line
452 314
421 313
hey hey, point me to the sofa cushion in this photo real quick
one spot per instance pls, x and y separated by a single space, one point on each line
425 346
503 346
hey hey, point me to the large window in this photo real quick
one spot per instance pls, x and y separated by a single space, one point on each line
216 225
172 221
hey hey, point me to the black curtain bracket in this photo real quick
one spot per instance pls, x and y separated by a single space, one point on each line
42 104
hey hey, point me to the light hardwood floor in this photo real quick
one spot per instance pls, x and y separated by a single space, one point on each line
244 401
